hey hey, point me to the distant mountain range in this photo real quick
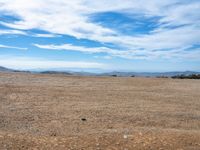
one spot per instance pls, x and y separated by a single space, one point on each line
115 73
3 69
149 74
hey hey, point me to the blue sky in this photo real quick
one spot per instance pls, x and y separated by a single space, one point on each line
88 35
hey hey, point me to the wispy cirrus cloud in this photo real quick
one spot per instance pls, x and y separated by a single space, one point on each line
178 53
45 35
12 32
20 32
12 47
175 33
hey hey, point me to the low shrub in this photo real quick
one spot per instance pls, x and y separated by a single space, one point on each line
192 76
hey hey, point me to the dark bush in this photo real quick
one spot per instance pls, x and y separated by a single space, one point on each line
114 75
161 77
192 76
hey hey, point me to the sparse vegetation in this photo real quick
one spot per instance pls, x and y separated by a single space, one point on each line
114 75
42 111
192 76
162 77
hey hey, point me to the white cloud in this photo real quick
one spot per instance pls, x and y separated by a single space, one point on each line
12 47
113 52
20 32
39 63
45 35
72 18
71 47
182 14
11 32
178 53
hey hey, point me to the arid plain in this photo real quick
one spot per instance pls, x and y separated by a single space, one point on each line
58 112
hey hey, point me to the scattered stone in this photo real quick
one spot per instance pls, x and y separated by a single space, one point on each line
125 136
53 134
83 119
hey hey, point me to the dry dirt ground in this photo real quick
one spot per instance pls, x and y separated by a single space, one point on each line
57 112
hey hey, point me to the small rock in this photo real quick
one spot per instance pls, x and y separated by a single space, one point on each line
125 136
83 119
53 134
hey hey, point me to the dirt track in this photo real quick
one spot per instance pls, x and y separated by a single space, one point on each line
63 112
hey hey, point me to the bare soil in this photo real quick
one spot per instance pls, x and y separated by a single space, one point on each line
57 112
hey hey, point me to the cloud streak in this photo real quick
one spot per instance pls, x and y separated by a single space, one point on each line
149 54
29 63
12 32
177 26
12 47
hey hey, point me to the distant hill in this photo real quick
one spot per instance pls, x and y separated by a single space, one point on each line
69 73
55 72
148 74
113 74
4 69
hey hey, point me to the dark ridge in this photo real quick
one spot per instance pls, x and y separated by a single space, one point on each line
4 69
55 72
192 76
178 75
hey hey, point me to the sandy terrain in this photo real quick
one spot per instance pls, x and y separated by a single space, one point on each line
55 112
